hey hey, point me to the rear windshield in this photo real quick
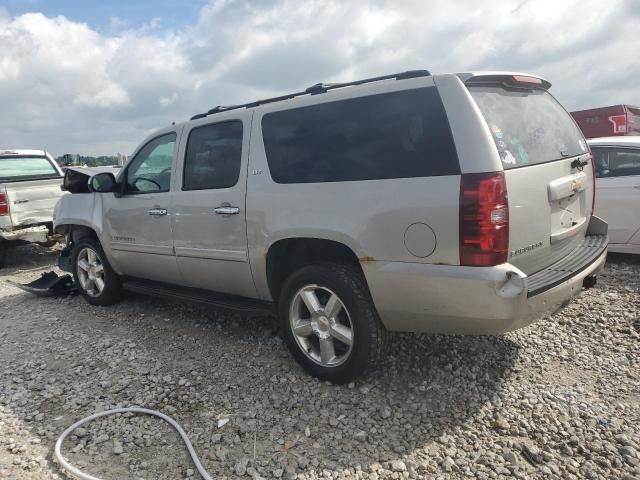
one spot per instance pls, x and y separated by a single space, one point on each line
26 168
528 127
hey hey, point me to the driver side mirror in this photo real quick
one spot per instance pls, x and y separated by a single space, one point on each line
103 182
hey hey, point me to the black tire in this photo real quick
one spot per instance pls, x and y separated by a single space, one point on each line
3 253
369 337
112 290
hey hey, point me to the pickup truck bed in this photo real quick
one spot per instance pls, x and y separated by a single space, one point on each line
27 201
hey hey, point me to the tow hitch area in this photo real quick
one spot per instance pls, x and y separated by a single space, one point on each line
589 281
48 285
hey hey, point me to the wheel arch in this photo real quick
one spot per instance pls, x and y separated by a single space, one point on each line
78 231
289 254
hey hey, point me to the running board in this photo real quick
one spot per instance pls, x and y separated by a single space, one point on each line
246 306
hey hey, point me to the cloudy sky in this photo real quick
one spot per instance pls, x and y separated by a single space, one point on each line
96 77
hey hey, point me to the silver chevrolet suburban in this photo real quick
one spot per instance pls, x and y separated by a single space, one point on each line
456 203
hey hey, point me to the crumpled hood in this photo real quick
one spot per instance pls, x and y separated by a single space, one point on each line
76 178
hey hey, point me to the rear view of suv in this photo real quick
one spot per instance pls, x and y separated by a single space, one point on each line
411 202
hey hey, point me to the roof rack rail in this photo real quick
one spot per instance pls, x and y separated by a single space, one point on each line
222 108
314 90
323 87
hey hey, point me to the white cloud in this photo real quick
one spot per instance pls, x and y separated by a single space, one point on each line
117 24
167 101
110 95
68 88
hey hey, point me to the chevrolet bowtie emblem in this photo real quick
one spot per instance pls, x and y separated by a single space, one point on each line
576 185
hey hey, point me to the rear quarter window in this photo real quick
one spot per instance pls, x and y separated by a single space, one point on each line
393 135
528 126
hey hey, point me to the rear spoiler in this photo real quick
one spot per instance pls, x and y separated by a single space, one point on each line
508 79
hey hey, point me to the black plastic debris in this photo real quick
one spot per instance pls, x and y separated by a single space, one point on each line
50 284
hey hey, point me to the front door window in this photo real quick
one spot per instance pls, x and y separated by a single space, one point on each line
150 170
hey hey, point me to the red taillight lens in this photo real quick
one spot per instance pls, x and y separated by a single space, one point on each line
619 123
484 219
526 79
4 205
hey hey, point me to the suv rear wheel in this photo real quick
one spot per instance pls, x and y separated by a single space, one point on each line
94 277
329 322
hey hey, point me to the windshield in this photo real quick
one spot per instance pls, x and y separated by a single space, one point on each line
26 168
528 127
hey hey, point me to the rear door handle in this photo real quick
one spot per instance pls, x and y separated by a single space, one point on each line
157 212
227 210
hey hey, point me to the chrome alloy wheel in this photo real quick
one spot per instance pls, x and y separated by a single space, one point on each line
90 272
321 325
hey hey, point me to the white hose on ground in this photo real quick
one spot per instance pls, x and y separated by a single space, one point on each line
85 476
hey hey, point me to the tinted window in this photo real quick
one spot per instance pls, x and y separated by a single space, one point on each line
528 126
616 162
150 170
26 168
393 135
213 156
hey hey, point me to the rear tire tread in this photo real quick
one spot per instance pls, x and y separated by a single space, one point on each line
368 352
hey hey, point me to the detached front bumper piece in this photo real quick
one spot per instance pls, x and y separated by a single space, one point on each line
48 285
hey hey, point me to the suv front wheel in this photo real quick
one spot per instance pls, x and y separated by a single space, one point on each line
329 322
94 277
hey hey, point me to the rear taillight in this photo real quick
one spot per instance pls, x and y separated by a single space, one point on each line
484 219
4 205
525 79
619 123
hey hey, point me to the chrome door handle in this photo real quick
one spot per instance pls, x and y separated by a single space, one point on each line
157 212
227 210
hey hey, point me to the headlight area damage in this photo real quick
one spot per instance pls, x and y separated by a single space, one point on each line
76 179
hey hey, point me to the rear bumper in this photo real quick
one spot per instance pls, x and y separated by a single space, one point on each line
476 300
36 234
629 248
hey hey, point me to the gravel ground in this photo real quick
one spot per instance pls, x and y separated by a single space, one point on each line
559 399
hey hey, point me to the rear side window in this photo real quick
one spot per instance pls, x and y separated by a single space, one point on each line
26 168
213 156
528 126
616 162
392 135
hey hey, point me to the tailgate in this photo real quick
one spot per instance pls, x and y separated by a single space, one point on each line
32 202
549 211
548 172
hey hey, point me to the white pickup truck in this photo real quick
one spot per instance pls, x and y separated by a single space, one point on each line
30 183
